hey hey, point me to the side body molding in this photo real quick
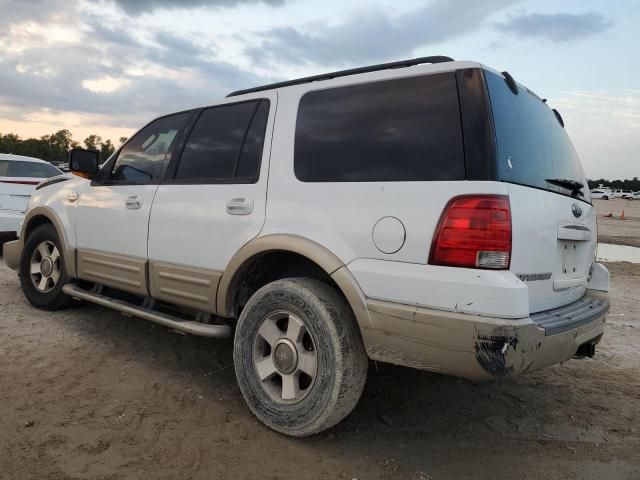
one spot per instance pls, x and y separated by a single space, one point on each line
296 244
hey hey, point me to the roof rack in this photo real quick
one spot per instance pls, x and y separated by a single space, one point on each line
345 73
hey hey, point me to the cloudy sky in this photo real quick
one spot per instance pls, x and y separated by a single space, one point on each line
108 66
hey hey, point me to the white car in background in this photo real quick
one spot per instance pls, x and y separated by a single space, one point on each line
601 194
18 179
619 193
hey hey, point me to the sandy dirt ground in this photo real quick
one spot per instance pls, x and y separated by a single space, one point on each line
614 229
87 393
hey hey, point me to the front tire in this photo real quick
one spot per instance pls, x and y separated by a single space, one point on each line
299 357
42 269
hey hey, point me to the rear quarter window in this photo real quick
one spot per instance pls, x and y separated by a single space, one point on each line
396 130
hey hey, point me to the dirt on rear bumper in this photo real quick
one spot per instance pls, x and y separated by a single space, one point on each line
481 348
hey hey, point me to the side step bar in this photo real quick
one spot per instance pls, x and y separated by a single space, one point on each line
186 326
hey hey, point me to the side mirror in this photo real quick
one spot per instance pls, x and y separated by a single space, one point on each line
83 163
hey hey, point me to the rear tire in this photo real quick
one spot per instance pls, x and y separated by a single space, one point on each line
299 357
42 269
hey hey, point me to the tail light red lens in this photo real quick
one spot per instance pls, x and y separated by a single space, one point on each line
474 231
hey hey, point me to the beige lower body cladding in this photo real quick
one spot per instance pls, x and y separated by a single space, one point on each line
189 286
468 346
117 271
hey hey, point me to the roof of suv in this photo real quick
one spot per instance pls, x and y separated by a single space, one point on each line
11 156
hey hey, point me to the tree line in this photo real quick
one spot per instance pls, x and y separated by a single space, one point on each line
632 184
55 148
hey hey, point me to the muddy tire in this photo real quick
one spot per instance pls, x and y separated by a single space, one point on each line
42 269
299 357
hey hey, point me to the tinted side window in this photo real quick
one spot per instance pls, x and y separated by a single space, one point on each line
251 155
396 130
142 158
226 143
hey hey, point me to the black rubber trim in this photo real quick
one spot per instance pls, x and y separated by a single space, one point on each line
52 181
572 316
511 83
558 117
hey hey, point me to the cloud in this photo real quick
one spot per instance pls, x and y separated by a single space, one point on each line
33 10
560 27
605 129
106 84
622 109
138 7
372 35
110 71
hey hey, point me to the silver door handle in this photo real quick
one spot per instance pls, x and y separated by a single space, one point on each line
73 196
240 206
133 203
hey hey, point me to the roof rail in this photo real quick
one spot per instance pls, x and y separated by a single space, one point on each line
345 73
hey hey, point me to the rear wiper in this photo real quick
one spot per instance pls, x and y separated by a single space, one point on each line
572 185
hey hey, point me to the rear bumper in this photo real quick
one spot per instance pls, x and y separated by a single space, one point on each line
481 348
11 252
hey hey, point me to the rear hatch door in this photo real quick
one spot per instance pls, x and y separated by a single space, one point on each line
553 245
554 233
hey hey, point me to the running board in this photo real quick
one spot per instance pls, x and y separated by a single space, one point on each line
186 326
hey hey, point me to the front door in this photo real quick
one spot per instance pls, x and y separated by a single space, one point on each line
113 212
212 202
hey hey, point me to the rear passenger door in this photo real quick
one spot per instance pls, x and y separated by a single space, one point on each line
212 201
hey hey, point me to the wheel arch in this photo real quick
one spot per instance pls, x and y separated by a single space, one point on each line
41 215
303 248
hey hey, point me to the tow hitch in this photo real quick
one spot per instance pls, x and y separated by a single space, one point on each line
587 349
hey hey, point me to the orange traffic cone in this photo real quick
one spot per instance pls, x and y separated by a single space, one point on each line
622 216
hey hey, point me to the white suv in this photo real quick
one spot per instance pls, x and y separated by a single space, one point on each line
427 213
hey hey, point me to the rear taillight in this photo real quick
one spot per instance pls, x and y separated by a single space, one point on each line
474 231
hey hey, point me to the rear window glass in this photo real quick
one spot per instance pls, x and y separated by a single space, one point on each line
532 145
16 168
396 130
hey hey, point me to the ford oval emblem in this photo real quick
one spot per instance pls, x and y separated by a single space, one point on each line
576 210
